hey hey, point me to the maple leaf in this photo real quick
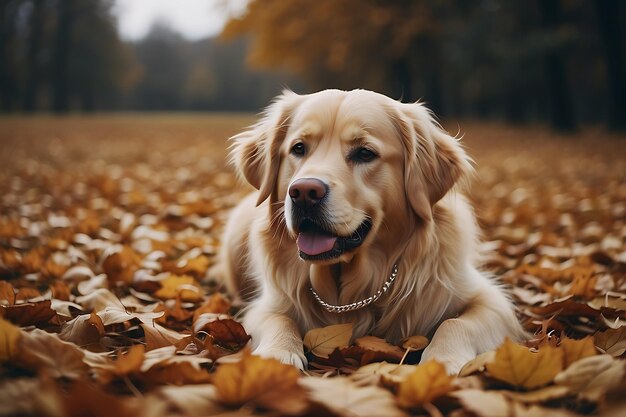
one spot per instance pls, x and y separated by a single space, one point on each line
574 350
183 286
518 366
323 341
428 382
263 382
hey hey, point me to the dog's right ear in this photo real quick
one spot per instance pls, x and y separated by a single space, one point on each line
255 152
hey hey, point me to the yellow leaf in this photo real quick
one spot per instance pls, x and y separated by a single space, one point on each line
429 382
9 336
574 350
518 366
186 286
264 382
323 341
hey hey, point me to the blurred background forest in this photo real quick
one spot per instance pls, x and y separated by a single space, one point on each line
558 62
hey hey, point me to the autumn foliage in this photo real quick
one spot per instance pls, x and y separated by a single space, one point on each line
109 228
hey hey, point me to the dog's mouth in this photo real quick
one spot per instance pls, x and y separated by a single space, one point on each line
317 244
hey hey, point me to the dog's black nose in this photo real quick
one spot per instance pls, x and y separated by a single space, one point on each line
307 192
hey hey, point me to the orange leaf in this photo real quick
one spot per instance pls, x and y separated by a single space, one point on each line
131 361
265 382
9 336
120 266
7 293
520 367
428 382
216 304
227 333
574 350
180 285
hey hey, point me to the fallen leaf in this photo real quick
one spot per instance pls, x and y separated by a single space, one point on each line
591 377
343 397
574 350
227 333
612 341
483 403
428 382
191 400
157 336
121 264
382 373
175 373
9 338
84 330
518 366
264 382
42 351
215 304
29 313
478 364
382 349
183 286
415 343
7 293
323 341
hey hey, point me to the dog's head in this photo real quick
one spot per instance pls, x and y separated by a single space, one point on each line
348 168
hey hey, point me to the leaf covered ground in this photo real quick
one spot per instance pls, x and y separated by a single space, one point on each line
109 226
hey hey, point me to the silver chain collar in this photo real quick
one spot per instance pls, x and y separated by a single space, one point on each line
359 304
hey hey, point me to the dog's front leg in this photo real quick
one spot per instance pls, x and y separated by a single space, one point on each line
485 322
274 335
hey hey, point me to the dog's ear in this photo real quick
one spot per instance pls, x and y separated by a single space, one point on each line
434 160
255 152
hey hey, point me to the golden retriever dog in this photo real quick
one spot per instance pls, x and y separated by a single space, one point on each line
357 219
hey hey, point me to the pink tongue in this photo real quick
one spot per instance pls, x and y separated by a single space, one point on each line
314 244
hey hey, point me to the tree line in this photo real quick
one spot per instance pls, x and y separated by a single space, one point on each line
554 61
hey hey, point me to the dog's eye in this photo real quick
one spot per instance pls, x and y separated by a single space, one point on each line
298 149
363 155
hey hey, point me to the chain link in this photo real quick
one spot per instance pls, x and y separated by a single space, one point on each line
359 304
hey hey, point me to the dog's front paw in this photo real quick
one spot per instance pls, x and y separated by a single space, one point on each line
285 356
453 361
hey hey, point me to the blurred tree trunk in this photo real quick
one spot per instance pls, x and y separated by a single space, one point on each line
608 12
34 48
561 111
62 47
8 87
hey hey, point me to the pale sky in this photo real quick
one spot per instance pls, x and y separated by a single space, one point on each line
194 19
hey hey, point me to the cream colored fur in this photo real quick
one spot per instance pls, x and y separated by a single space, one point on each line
420 221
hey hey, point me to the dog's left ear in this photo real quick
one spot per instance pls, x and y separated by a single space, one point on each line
434 161
255 152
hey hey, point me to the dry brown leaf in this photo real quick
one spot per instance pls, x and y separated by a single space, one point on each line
518 366
157 336
428 382
183 286
7 293
382 373
478 364
215 304
384 349
612 341
191 400
483 403
42 351
227 333
29 313
415 343
323 341
175 373
84 330
574 350
121 265
593 376
9 338
263 382
195 267
343 397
